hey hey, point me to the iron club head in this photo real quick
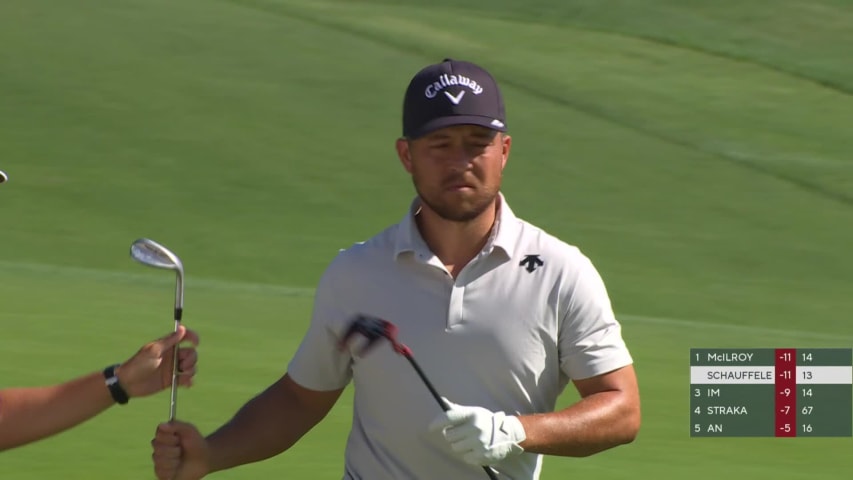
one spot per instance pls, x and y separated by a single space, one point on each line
151 253
148 252
3 177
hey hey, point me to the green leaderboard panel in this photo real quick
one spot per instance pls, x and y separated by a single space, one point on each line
771 392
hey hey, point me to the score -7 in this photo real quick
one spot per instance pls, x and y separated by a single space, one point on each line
807 410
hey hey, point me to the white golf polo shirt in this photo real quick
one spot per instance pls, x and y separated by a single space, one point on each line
525 316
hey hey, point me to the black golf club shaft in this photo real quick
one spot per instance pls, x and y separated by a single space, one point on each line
429 385
437 397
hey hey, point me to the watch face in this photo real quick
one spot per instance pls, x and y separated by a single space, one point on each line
111 380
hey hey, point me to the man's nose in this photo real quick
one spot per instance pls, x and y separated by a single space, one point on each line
460 158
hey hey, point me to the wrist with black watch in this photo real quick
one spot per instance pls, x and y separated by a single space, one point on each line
116 390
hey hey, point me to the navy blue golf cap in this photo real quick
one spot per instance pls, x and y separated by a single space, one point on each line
452 92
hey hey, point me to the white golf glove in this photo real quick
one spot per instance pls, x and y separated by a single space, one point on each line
479 436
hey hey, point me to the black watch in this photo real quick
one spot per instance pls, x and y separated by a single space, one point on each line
116 390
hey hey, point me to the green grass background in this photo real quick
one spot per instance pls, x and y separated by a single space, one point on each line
699 152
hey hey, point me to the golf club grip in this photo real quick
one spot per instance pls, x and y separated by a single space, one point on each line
444 405
173 394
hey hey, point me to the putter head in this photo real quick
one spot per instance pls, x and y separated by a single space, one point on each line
372 329
151 253
3 177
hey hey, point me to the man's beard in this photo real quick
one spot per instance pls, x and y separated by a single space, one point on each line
461 212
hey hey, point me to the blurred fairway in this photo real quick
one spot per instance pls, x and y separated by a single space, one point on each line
699 152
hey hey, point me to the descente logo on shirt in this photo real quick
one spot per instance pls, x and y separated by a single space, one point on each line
446 80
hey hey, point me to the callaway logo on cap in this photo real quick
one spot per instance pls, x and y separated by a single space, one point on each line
449 93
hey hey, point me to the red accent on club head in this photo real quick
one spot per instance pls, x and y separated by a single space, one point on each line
402 349
390 331
371 328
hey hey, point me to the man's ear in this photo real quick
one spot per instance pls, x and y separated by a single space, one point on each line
404 154
506 144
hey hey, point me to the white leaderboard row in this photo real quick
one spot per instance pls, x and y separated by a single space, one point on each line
769 375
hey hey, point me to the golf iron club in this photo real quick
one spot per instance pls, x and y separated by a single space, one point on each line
375 329
153 254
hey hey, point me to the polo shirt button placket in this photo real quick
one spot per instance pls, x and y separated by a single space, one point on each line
454 309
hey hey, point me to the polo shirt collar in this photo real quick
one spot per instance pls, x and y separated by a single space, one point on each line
504 234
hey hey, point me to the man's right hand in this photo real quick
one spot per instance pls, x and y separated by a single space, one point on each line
180 452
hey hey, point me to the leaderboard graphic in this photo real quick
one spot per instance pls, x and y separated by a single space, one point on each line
771 392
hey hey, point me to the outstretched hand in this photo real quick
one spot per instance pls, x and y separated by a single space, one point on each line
150 370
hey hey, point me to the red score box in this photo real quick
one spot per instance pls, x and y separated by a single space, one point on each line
786 392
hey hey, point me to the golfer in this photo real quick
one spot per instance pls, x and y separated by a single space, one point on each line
28 414
500 314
